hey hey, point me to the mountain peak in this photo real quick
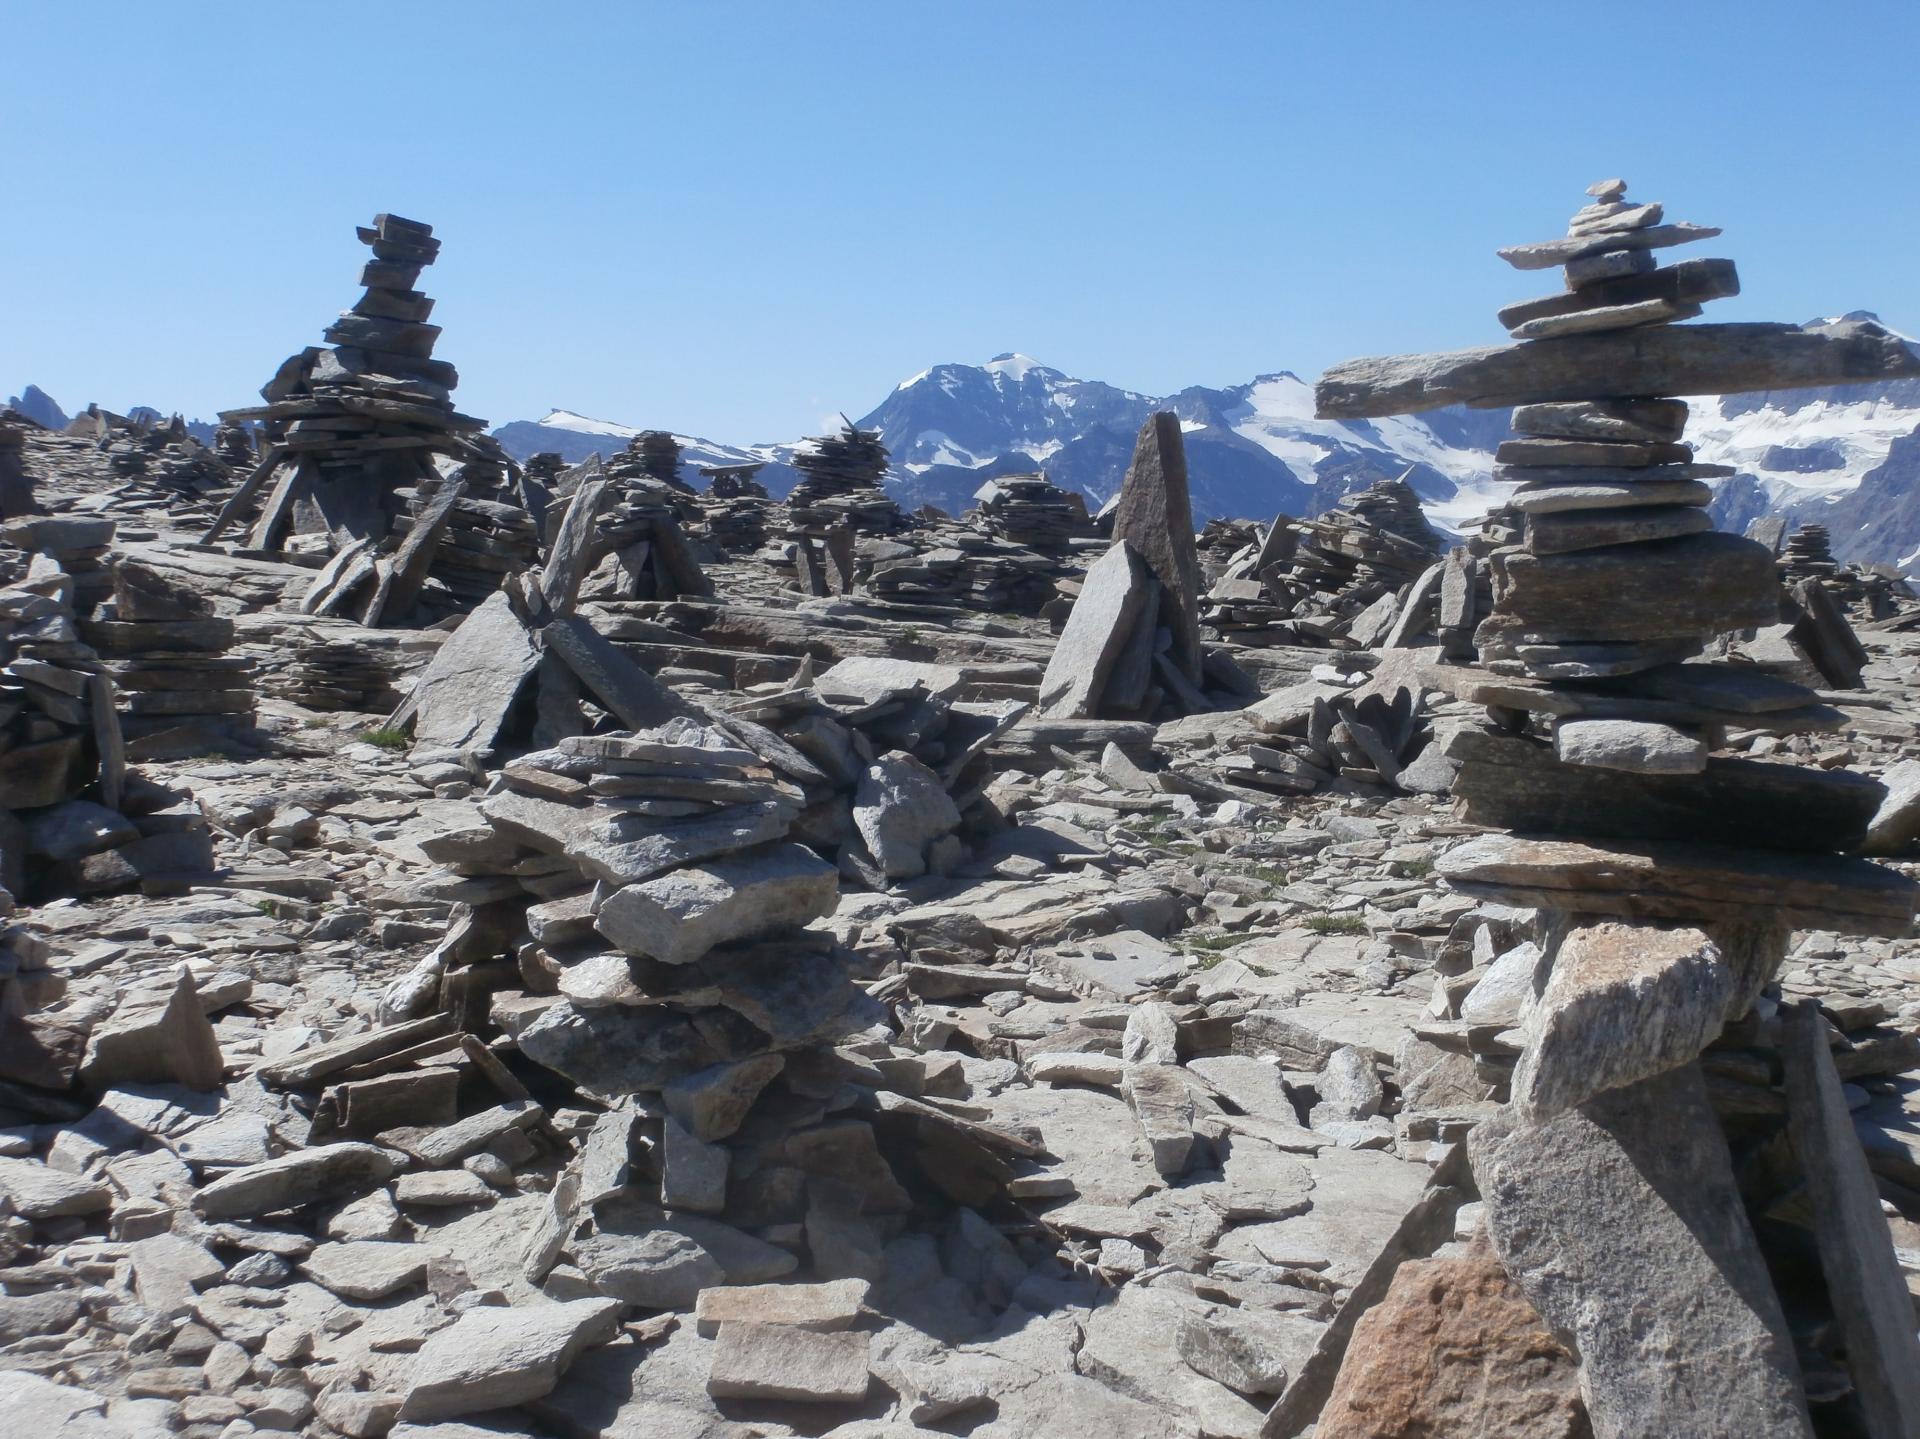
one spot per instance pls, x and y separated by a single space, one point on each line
1013 365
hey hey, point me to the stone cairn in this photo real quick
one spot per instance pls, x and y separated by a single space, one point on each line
735 507
639 548
168 654
1666 1110
840 479
351 436
1031 510
1808 555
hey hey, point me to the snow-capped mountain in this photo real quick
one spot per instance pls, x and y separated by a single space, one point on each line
575 437
1848 457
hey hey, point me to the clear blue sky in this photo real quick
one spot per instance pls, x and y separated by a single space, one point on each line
732 218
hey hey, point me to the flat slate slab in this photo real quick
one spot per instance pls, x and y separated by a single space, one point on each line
1653 880
1659 360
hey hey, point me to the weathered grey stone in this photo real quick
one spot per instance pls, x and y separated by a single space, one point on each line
1870 1299
306 1176
677 917
1102 620
1661 360
1598 494
901 807
1562 532
1350 1088
1689 882
497 1358
1246 1350
1152 1036
77 828
37 1192
1506 990
157 1034
1700 585
664 1269
1637 746
463 696
1105 1071
1155 516
368 1269
693 1173
1627 1206
619 1049
1896 824
1160 1100
781 1361
836 1304
1622 1003
713 1102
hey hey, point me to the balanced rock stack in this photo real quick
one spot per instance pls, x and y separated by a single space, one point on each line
16 486
654 454
1668 873
352 433
76 545
168 655
1031 510
1808 555
840 483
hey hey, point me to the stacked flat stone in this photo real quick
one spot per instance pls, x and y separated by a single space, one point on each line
57 725
16 486
78 546
1031 510
168 654
1667 870
840 479
653 453
1808 555
350 442
487 535
1372 544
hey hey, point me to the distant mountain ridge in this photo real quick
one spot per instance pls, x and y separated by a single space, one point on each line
1847 456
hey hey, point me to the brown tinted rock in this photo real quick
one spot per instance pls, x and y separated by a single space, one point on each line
1700 585
1455 1349
1155 516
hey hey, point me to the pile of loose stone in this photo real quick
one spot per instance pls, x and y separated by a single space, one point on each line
169 657
840 484
1356 576
1646 1179
1031 510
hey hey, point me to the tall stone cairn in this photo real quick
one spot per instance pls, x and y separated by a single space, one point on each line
1668 873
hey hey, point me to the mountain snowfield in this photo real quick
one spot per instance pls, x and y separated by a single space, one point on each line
1848 457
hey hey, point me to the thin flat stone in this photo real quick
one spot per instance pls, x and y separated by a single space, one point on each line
1555 499
1605 317
1564 531
1664 880
1636 746
1535 453
1690 282
1629 474
1658 421
1545 254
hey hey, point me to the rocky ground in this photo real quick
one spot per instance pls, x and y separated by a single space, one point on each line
1208 1053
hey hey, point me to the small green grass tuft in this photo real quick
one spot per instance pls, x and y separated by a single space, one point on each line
1336 924
394 739
267 907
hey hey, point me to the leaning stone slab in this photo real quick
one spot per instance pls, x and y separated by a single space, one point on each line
497 1358
1154 515
1623 1003
1896 824
306 1176
463 697
1097 630
155 1035
1159 1098
1870 1300
1663 360
678 916
1621 1221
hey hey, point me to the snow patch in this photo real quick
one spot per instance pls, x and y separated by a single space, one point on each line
582 425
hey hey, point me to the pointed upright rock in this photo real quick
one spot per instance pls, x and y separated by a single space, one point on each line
1155 516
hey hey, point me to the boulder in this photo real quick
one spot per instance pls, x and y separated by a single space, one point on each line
900 808
1455 1349
1625 1206
781 1361
497 1358
155 1035
677 917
